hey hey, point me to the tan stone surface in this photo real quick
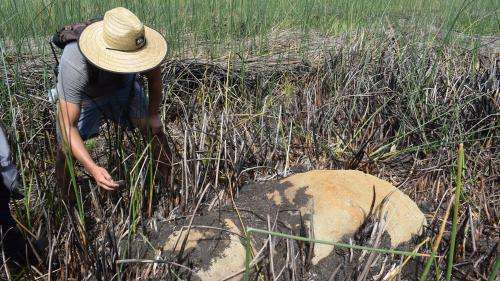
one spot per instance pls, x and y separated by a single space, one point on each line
194 236
231 262
341 199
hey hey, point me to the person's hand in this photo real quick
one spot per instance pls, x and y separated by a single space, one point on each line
103 178
155 124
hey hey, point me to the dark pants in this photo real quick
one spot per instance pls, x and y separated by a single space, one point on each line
12 243
6 220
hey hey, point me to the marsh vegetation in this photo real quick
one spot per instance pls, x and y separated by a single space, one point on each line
255 90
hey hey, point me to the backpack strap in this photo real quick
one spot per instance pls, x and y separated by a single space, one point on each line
55 67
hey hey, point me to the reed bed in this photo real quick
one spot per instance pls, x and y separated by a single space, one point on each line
259 105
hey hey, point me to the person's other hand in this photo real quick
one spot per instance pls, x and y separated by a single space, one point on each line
103 178
155 124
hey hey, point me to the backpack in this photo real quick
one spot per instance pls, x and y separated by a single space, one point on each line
67 34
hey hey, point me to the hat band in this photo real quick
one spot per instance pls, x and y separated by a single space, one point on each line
139 43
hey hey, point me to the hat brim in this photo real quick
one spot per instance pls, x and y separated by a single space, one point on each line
95 50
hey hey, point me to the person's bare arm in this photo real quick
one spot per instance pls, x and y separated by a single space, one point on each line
162 151
155 98
68 115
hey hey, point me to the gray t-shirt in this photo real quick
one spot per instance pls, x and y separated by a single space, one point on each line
73 81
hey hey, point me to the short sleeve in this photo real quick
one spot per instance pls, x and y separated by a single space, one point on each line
72 79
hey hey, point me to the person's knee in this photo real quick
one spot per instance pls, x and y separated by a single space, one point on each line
60 155
61 171
140 124
59 152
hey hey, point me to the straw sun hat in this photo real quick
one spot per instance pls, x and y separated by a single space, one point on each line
121 43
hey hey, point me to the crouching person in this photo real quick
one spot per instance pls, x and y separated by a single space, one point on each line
97 81
14 250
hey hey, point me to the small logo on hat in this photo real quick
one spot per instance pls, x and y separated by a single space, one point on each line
140 41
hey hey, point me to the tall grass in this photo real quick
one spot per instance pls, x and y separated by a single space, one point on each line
456 208
187 24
